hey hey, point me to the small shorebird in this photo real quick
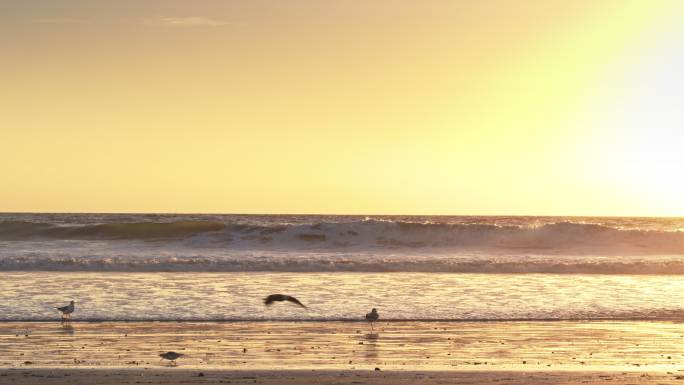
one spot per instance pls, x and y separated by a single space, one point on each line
171 356
67 310
282 297
372 317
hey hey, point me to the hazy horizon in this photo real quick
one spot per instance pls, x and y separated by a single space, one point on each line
337 214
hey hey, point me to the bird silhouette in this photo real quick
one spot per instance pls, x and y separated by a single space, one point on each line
171 356
67 310
372 317
282 297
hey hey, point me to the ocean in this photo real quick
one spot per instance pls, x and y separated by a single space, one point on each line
138 267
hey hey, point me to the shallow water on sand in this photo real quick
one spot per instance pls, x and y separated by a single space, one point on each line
339 296
529 346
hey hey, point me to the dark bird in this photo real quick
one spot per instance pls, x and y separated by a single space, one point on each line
171 356
67 310
282 297
372 317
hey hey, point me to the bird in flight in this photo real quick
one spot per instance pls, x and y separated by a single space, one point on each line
372 317
282 297
171 356
67 310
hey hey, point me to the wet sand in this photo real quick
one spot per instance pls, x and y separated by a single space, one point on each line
337 377
343 352
562 345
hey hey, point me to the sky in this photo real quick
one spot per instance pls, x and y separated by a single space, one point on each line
493 107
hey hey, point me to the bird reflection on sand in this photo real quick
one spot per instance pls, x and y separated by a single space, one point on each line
66 328
372 346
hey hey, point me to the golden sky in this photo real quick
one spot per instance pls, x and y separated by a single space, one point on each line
533 107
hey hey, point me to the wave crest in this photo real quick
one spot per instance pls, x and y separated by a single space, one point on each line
367 235
20 230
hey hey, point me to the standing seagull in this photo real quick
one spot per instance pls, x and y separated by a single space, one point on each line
282 297
372 317
171 356
66 311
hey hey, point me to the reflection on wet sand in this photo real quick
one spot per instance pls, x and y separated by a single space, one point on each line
372 347
566 345
66 328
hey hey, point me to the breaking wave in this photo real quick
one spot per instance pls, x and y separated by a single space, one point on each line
352 244
21 230
562 237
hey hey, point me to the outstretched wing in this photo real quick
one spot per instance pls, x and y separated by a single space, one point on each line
273 298
171 355
295 301
282 297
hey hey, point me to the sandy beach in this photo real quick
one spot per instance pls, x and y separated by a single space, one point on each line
343 352
338 377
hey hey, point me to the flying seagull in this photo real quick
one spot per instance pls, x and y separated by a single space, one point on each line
66 310
372 317
171 356
282 297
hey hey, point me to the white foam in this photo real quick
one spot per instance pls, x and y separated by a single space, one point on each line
311 243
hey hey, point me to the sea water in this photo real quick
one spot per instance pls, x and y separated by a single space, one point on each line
219 267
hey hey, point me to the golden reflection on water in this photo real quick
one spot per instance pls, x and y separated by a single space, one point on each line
233 296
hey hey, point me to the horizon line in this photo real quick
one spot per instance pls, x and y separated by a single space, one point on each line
334 214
